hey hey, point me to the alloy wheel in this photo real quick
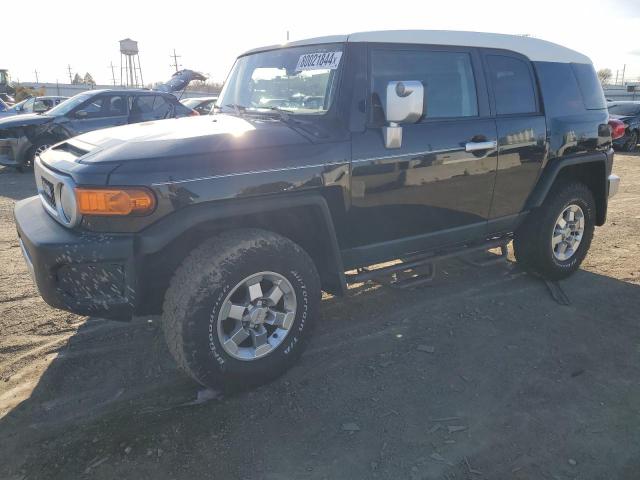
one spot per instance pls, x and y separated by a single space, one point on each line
256 316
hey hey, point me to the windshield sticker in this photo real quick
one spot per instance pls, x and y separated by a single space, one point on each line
318 61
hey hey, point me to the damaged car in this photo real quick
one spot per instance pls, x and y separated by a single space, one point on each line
23 137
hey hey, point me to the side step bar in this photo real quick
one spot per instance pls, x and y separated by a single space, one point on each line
421 260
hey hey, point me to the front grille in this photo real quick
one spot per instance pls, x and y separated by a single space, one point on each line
51 184
48 192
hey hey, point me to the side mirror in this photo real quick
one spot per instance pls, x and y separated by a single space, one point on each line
402 103
81 114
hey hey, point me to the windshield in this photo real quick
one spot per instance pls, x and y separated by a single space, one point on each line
625 109
191 102
298 80
68 105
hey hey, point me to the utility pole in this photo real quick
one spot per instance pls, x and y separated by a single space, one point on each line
175 60
617 71
624 67
113 74
70 78
36 72
287 35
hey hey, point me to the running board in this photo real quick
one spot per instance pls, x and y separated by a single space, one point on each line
429 260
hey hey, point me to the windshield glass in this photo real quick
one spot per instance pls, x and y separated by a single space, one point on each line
625 109
190 102
68 105
298 80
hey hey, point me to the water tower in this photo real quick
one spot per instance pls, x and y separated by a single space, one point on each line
130 71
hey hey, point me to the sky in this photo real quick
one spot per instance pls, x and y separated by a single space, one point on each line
210 34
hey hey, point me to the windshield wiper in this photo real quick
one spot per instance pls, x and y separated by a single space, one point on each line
274 109
238 109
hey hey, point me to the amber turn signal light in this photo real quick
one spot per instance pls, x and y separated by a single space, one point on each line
115 201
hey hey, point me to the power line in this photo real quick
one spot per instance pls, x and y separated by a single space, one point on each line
175 60
113 74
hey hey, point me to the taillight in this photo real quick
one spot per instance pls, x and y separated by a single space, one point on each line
194 113
617 128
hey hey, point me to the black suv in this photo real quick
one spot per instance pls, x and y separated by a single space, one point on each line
418 146
23 137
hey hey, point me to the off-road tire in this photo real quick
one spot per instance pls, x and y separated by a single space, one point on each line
532 242
197 292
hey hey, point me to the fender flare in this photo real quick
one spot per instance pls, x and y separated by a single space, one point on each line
160 234
553 169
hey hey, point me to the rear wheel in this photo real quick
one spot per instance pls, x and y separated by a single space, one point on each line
555 237
239 309
631 145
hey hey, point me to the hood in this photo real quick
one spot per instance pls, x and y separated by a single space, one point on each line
184 137
24 120
180 80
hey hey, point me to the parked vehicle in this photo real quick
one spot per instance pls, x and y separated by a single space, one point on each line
425 145
7 99
202 105
25 136
629 114
33 105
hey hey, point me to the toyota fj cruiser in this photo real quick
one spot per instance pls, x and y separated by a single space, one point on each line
328 155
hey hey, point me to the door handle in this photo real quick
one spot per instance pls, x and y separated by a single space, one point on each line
475 146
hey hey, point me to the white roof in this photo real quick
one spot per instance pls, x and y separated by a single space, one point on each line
533 48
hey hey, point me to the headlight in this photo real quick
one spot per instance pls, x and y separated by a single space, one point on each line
115 201
68 203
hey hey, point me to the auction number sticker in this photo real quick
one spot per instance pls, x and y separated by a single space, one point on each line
319 61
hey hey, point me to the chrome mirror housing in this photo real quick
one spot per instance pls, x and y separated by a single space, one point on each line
402 103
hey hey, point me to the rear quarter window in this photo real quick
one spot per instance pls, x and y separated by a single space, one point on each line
590 88
560 91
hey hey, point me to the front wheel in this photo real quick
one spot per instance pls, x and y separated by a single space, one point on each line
239 309
555 237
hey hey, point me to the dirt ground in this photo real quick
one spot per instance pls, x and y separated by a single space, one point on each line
481 375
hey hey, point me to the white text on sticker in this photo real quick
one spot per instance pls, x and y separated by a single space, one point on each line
319 61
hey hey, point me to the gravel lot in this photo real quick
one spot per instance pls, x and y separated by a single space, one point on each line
480 376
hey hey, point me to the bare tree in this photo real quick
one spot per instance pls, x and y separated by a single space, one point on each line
88 79
604 75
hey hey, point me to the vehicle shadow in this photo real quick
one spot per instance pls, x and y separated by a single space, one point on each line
17 185
481 371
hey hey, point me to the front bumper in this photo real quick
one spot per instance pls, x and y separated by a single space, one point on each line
81 272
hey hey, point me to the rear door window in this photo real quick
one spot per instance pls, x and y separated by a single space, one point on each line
447 77
513 86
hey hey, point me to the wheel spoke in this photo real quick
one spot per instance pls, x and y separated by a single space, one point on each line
556 240
274 295
281 319
255 290
562 248
234 311
571 215
235 339
561 223
259 338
